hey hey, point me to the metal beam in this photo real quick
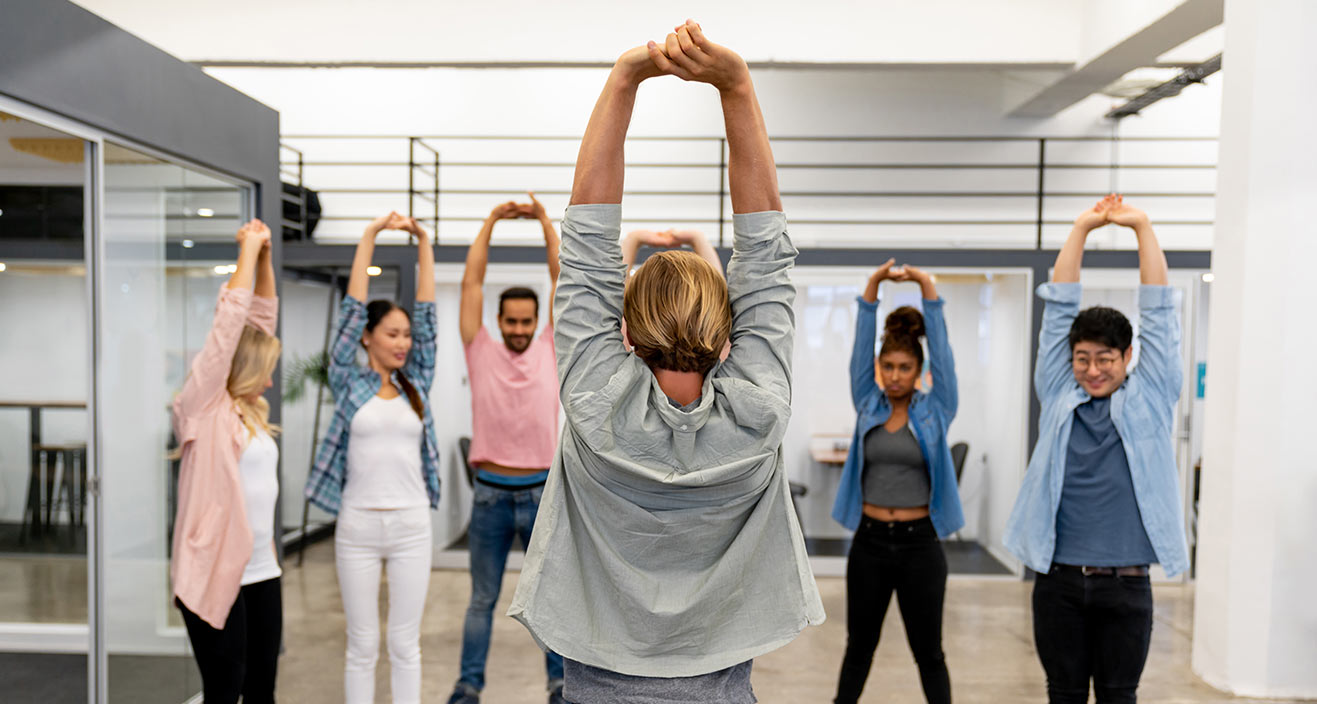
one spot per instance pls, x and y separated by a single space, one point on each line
1169 89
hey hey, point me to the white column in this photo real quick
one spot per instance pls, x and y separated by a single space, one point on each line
1255 621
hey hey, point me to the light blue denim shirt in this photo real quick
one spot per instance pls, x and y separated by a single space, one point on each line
1142 409
930 414
666 544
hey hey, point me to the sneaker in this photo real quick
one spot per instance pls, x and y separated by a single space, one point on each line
464 693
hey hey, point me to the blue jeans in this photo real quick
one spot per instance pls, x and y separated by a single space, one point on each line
497 515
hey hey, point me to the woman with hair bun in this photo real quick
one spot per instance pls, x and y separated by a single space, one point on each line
377 468
898 488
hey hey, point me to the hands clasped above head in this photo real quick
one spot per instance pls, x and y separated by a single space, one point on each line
512 210
394 221
906 272
255 231
687 54
1112 210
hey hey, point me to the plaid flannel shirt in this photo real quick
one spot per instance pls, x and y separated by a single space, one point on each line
354 384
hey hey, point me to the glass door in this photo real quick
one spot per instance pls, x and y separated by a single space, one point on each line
45 363
167 234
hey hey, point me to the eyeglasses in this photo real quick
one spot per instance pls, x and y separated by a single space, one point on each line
1103 364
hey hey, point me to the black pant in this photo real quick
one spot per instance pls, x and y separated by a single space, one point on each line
1094 628
905 557
242 658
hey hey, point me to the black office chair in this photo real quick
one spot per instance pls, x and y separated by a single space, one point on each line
464 445
958 453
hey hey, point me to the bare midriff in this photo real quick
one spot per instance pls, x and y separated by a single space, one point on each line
510 471
889 515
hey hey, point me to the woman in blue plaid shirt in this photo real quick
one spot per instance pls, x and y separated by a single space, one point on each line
378 468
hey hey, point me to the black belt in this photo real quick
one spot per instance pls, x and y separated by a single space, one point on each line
1130 571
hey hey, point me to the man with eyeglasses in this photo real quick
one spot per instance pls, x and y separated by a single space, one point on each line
1100 501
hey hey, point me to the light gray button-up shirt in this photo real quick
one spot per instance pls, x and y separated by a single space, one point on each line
666 544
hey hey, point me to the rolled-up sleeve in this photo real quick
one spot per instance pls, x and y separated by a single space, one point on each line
1052 373
587 313
761 294
264 314
1159 340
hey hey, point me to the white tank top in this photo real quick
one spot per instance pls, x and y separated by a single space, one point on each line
260 491
384 457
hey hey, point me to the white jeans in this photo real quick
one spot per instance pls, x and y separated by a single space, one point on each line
401 540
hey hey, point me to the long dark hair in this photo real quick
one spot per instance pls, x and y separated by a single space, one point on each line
902 331
375 312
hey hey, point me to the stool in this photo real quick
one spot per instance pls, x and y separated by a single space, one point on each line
58 472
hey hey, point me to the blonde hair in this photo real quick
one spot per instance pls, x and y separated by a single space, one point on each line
253 363
677 312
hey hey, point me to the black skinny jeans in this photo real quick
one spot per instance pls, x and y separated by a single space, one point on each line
1094 628
906 558
242 658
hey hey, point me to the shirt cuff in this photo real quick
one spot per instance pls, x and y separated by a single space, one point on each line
865 305
1155 296
760 225
1053 292
596 218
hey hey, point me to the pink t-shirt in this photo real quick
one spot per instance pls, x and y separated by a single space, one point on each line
514 401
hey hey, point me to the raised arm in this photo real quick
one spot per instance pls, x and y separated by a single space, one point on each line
359 279
264 311
863 384
1159 322
752 173
1052 372
1070 259
424 261
551 246
208 376
941 363
1152 260
473 278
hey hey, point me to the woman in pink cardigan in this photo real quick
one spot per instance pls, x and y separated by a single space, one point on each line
224 568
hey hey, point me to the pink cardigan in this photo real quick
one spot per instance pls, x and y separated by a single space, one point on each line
212 539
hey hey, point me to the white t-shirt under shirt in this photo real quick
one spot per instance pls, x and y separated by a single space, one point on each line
260 491
384 457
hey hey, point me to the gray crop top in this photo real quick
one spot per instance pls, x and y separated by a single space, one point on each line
895 475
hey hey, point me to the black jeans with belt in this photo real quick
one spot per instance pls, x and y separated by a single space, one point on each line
1091 628
904 557
240 659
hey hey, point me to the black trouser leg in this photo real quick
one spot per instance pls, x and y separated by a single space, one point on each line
1121 612
920 592
240 659
264 632
221 653
1092 628
869 586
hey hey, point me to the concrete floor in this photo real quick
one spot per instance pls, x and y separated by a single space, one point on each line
988 641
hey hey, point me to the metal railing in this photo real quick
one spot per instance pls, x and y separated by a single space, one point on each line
973 185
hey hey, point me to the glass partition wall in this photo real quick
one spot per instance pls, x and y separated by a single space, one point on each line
112 259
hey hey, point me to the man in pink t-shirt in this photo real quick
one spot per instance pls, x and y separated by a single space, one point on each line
514 418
